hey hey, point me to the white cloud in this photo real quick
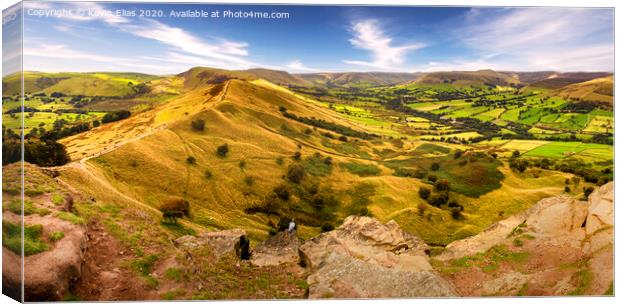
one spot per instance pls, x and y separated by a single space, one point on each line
298 66
368 35
564 39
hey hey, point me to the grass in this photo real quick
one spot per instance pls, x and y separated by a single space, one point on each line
174 274
487 261
70 217
317 166
15 207
11 238
56 236
361 169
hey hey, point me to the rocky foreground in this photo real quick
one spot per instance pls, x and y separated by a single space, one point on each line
561 246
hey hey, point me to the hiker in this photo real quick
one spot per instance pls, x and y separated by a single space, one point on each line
291 226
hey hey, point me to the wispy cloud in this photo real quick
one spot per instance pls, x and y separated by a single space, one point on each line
298 66
368 35
541 38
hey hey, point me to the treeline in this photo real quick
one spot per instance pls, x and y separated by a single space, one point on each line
319 123
36 151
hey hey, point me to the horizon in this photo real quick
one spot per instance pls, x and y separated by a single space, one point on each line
314 39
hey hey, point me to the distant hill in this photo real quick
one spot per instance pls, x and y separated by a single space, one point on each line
469 78
353 79
279 77
598 90
70 83
558 80
529 77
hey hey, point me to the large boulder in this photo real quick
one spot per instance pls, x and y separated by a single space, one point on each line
364 258
223 242
280 249
49 275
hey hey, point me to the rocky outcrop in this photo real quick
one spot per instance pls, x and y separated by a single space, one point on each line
49 275
364 258
565 239
282 248
223 242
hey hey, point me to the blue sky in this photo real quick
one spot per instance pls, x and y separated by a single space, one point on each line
320 38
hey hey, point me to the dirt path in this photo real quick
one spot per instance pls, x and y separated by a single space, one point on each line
105 276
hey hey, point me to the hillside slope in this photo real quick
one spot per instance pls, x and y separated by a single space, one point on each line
599 91
469 78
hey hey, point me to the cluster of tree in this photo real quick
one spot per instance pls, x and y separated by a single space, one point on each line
574 166
115 116
319 123
174 208
36 151
439 195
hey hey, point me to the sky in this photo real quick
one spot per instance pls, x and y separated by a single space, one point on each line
316 38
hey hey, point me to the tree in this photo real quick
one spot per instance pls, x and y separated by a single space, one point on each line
297 155
432 178
296 173
424 192
191 160
222 150
198 124
173 208
442 185
516 153
282 191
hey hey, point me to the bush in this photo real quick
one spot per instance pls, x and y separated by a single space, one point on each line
248 180
282 191
297 156
432 178
327 227
191 160
208 174
222 150
567 189
173 208
242 164
296 173
424 192
422 209
438 199
280 161
328 161
198 125
365 212
434 166
458 154
587 191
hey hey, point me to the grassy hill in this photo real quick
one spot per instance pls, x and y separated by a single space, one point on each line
88 84
369 79
558 80
271 132
469 78
598 90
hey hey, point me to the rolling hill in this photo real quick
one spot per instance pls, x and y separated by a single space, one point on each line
369 79
598 90
469 78
558 80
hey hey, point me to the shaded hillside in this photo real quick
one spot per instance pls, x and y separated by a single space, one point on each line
599 91
88 84
469 78
369 79
559 80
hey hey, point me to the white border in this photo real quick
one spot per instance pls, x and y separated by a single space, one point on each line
563 3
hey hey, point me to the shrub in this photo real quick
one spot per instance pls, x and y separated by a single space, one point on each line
438 199
242 164
422 209
327 227
455 213
435 166
432 178
297 156
191 160
516 154
173 208
280 161
494 155
424 192
587 191
198 124
365 212
296 173
248 180
115 116
343 138
222 150
458 154
282 191
328 161
208 174
566 189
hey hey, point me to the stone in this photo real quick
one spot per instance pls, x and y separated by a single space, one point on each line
280 249
221 242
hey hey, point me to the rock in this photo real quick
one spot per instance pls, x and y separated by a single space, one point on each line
221 242
601 209
364 258
282 248
49 275
11 274
507 284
